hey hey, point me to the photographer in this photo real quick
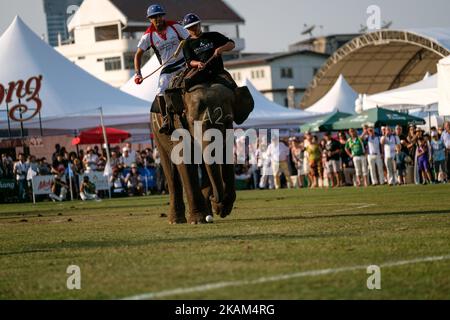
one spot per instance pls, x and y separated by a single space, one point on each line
59 189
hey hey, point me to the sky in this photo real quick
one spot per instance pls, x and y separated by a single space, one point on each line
272 25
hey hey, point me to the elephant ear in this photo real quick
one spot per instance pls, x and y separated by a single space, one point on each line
243 105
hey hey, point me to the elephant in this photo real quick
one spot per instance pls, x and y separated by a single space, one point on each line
212 105
179 177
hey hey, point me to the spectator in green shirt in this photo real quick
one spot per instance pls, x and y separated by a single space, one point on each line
355 149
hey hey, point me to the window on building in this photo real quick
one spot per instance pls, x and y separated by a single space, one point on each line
262 73
113 63
253 74
81 58
286 102
315 70
128 61
107 33
239 76
287 73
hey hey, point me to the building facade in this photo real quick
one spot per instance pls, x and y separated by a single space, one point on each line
325 44
58 13
105 33
273 74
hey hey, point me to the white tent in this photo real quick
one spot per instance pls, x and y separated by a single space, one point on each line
341 97
444 86
147 89
268 114
422 93
70 96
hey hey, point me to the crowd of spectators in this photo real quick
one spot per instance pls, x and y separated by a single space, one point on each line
129 172
370 156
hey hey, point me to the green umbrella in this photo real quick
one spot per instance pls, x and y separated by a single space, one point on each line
324 123
377 117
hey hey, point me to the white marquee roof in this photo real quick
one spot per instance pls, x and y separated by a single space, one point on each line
422 93
341 97
70 96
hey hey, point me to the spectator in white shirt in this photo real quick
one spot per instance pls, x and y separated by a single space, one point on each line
90 160
133 153
126 159
445 137
20 171
266 169
374 157
279 153
389 141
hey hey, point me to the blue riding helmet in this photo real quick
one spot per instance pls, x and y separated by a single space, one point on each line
190 20
155 10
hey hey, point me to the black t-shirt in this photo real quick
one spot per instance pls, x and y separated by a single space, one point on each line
333 146
403 137
203 48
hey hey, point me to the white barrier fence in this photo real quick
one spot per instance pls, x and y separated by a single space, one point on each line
101 182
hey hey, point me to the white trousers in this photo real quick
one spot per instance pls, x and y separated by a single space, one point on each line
376 169
390 168
87 196
61 197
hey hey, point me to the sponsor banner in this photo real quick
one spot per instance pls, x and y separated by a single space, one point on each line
36 142
42 184
101 182
6 185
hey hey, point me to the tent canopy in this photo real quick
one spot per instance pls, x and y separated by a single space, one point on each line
147 89
324 123
377 117
341 97
421 93
268 114
443 86
95 136
70 96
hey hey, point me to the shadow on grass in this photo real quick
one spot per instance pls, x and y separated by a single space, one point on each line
121 243
24 252
339 215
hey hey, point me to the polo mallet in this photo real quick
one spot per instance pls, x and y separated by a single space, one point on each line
175 54
206 63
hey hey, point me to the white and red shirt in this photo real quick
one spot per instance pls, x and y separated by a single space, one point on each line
166 42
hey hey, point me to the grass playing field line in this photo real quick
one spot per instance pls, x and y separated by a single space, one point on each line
125 246
281 277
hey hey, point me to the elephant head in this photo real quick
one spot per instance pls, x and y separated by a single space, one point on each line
209 109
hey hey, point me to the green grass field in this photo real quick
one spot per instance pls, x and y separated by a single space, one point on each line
125 248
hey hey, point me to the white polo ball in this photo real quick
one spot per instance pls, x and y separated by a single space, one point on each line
209 219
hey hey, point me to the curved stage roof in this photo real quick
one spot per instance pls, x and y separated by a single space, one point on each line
382 60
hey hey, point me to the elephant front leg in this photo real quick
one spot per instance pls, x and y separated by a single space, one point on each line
176 213
230 189
215 178
197 208
206 189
